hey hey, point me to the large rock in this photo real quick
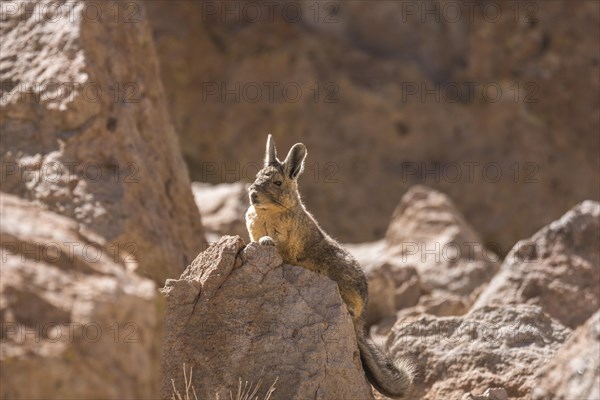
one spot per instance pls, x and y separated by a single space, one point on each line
511 164
574 371
86 130
429 233
491 347
238 313
558 268
431 261
391 286
76 323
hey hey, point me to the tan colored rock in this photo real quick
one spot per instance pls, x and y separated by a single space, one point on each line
489 347
439 304
489 394
369 140
391 287
429 233
86 131
75 322
574 371
222 208
431 261
557 269
238 313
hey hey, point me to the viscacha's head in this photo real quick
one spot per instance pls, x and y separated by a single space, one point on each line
276 184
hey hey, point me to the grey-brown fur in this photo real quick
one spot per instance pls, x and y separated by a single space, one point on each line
277 216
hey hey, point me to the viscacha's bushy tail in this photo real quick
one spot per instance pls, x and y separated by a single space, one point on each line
392 378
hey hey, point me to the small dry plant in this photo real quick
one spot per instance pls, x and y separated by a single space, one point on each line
188 384
246 390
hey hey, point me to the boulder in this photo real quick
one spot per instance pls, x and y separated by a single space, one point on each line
557 269
238 313
573 372
391 287
486 102
223 208
431 261
428 233
75 321
491 347
86 131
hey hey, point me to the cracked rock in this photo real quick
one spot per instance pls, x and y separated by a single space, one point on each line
75 323
489 347
238 313
557 269
573 372
86 132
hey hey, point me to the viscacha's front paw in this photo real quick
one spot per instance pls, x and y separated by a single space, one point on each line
266 241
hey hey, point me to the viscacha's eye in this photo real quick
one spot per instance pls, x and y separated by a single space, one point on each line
278 183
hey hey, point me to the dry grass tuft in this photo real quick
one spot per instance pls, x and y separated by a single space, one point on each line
246 390
188 384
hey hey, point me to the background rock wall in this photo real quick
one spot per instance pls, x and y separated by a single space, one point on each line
511 162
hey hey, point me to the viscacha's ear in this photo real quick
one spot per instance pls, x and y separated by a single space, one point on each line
271 152
294 162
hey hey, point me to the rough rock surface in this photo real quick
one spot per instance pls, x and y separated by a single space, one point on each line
237 313
391 287
223 208
489 347
363 60
574 371
428 232
490 394
431 261
558 268
76 324
86 130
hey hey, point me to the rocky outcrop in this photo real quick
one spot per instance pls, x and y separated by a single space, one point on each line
428 232
558 269
223 209
431 260
518 326
76 323
476 100
238 313
573 372
392 286
491 347
86 130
